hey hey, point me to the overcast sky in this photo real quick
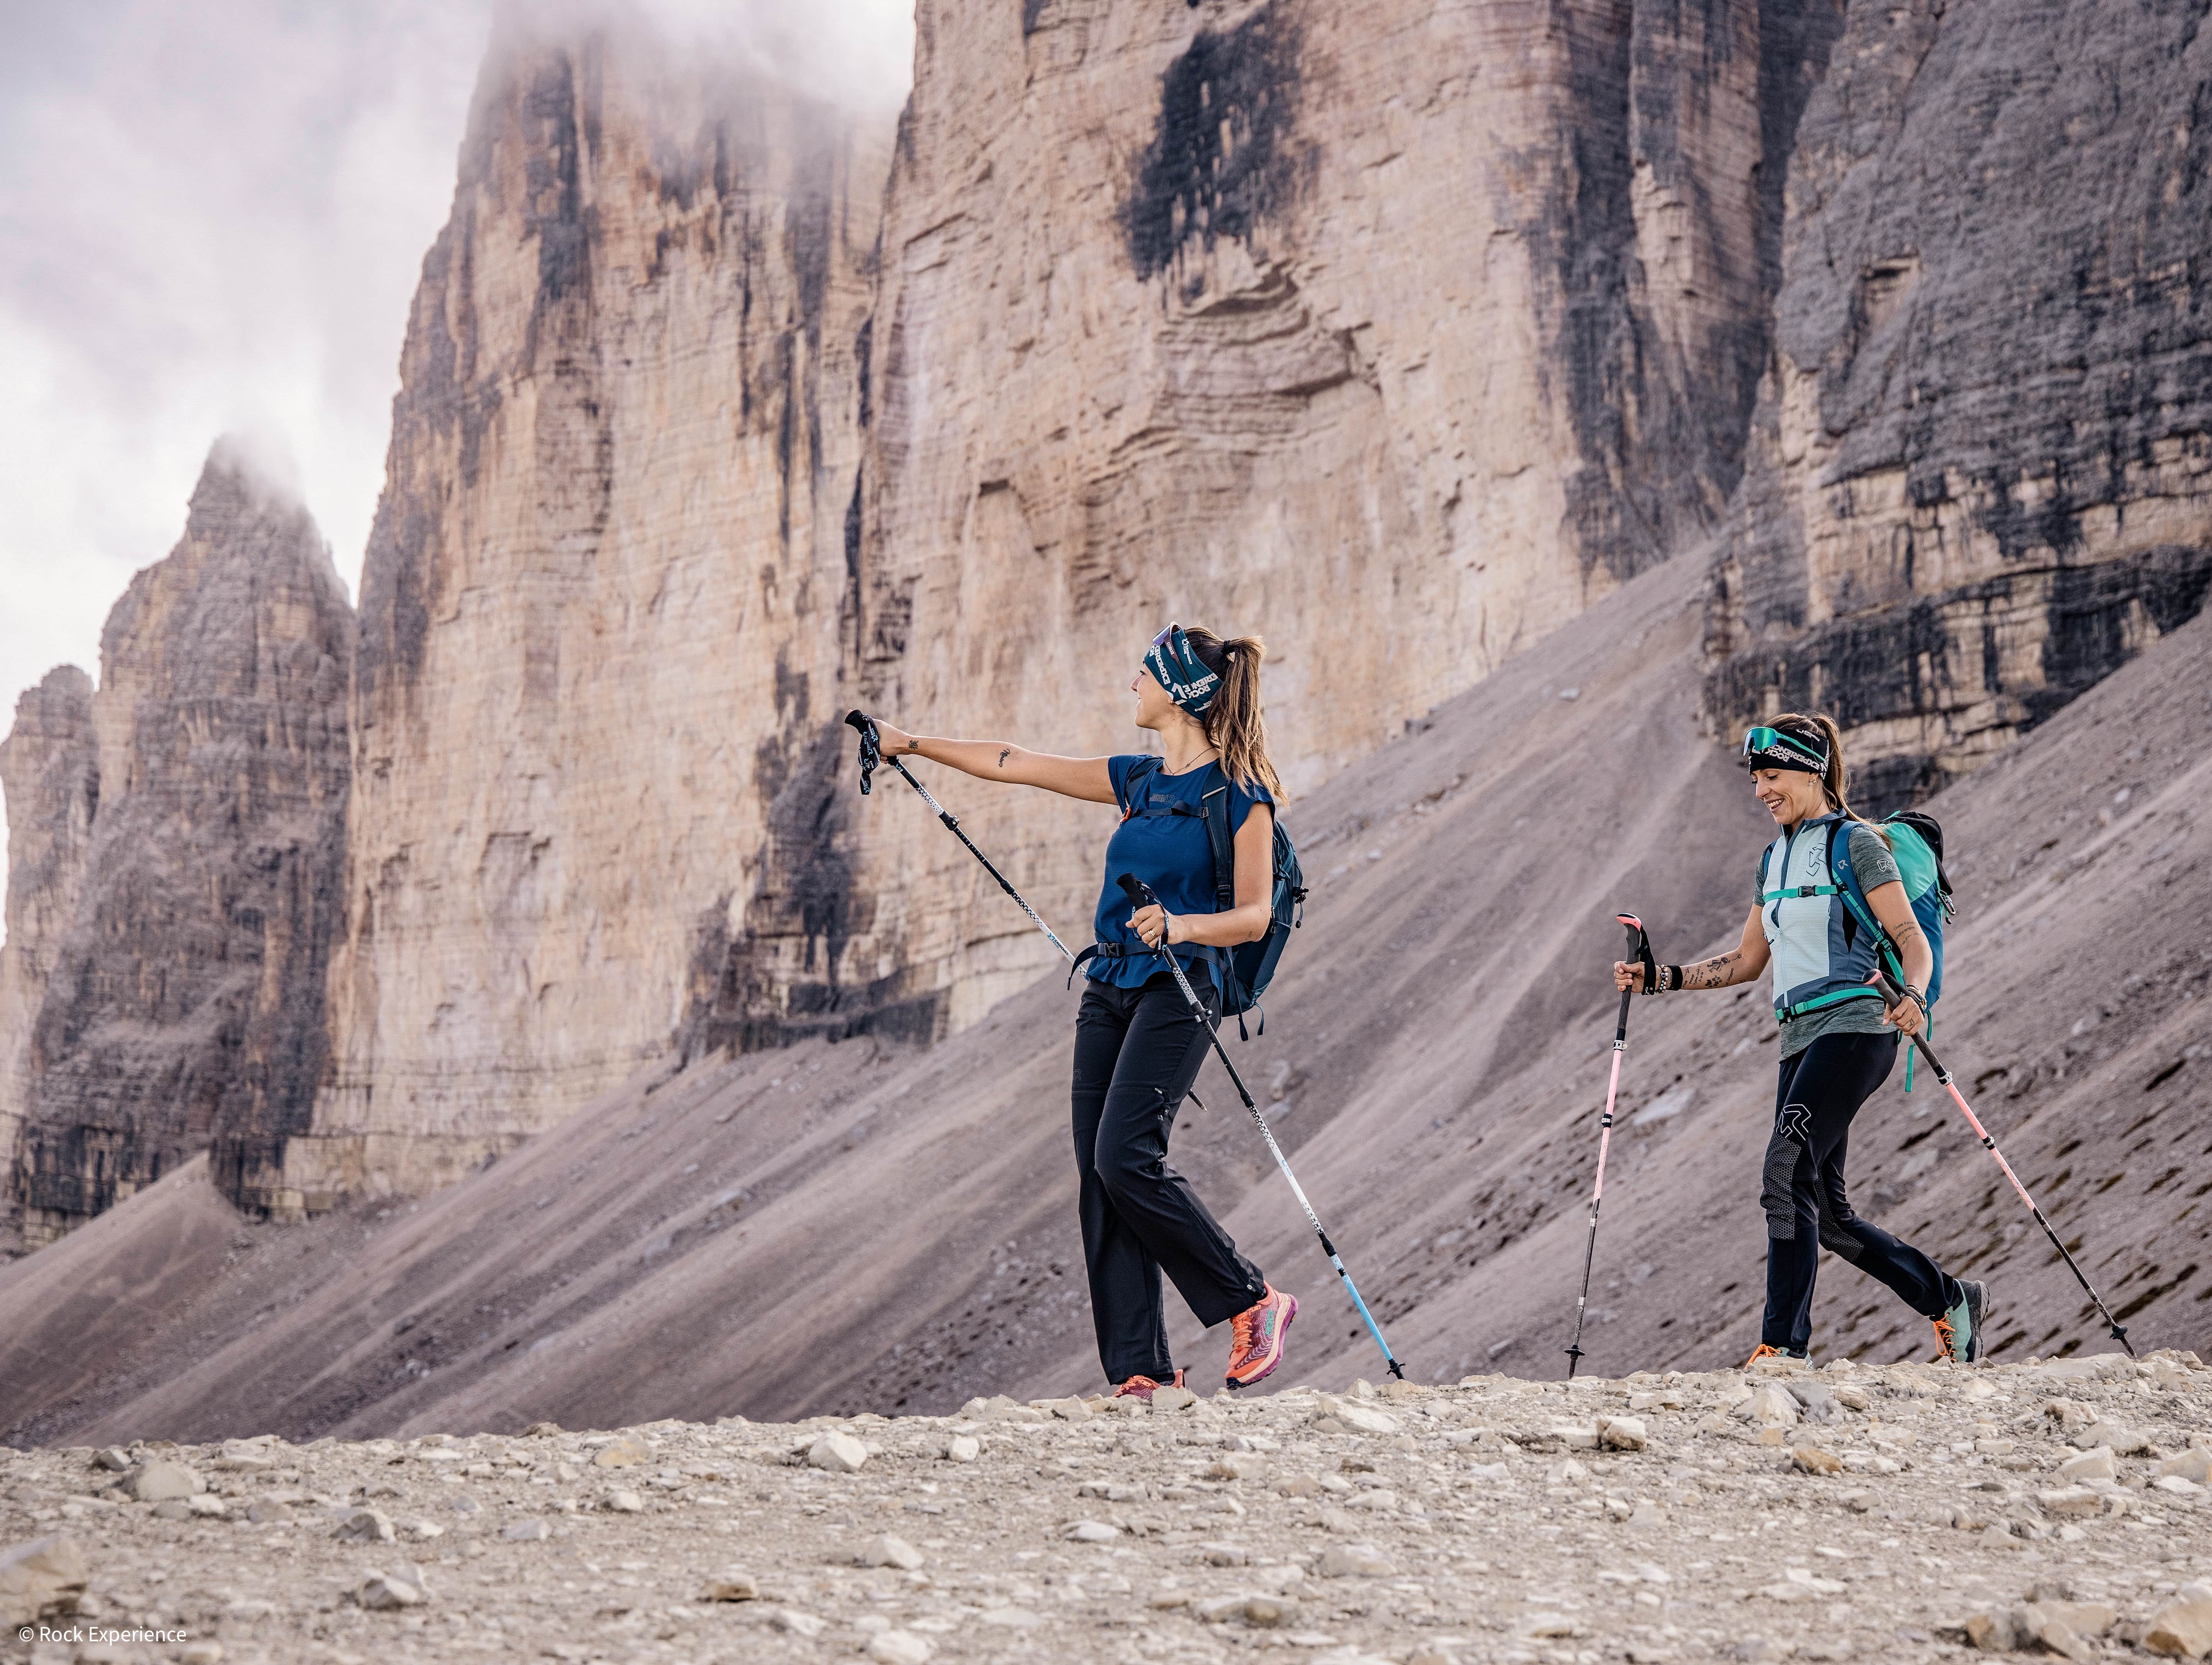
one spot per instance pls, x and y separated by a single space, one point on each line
212 216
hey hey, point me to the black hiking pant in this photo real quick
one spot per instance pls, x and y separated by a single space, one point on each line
1820 1090
1137 1051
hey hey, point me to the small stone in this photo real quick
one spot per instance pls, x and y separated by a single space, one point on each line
1226 1555
1092 1531
2176 1485
44 1577
158 1481
1173 1399
899 1647
530 1531
1576 1437
2123 1442
1219 1609
367 1526
208 1508
1360 1418
1622 1433
1014 1619
798 1622
1239 1465
2082 1618
1354 1561
886 1550
114 1459
1067 1410
2195 1464
381 1592
422 1531
837 1453
541 1431
1270 1612
2183 1629
732 1587
1768 1405
2071 1500
265 1512
624 1453
624 1503
1812 1460
172 1508
198 1653
2097 1465
962 1448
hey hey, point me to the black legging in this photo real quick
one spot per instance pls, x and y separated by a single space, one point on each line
1820 1090
1137 1051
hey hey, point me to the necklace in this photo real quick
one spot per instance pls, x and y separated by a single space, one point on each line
1200 763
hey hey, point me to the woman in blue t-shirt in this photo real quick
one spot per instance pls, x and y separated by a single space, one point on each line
1136 1047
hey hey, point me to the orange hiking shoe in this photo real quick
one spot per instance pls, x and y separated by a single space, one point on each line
1259 1330
1143 1387
1765 1351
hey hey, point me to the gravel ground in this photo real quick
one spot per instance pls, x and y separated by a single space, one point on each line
1887 1513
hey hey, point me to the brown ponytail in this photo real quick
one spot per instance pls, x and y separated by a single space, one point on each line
1822 731
1235 725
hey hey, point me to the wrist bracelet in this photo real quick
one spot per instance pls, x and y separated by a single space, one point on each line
1671 979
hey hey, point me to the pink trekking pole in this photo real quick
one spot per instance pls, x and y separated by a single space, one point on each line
1892 994
1639 948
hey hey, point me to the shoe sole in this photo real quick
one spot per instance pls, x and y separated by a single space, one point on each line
1275 1354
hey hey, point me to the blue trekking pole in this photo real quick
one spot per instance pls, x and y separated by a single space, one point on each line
1140 895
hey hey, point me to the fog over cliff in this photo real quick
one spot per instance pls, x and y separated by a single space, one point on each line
177 262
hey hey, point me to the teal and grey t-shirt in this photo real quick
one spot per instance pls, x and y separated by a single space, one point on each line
1875 867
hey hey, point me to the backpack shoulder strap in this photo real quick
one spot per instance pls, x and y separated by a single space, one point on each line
1140 774
1216 805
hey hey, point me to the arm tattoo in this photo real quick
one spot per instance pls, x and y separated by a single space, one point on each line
1711 973
1004 752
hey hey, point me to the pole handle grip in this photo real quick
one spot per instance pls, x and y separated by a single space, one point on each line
871 747
1139 893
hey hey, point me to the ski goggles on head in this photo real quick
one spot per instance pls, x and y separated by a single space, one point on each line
1176 666
1776 748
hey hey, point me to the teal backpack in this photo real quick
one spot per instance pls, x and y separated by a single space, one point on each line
1917 841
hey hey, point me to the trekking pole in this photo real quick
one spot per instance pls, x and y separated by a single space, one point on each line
1639 948
1893 994
871 753
1140 895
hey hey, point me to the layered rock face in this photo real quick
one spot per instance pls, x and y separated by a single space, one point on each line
1374 338
50 770
175 839
602 602
1980 478
1396 333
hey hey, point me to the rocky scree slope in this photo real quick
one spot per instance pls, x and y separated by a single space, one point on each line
1900 1513
836 1226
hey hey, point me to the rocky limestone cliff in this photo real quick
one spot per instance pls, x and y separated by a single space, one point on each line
1397 334
601 607
1981 476
1408 352
174 843
50 770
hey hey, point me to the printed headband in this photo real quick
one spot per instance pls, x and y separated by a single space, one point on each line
1778 748
1177 668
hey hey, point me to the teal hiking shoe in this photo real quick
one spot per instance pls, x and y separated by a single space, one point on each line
1959 1332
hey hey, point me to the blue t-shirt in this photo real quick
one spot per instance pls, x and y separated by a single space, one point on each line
1169 852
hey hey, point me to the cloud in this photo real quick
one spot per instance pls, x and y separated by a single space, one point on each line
212 220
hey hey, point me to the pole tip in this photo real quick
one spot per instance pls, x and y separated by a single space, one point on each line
1397 1369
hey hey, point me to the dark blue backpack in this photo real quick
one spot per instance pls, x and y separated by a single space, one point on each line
1247 969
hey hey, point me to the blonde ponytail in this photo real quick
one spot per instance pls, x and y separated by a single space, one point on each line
1235 724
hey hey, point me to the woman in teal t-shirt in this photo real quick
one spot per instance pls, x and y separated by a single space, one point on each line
1839 1036
1136 1047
